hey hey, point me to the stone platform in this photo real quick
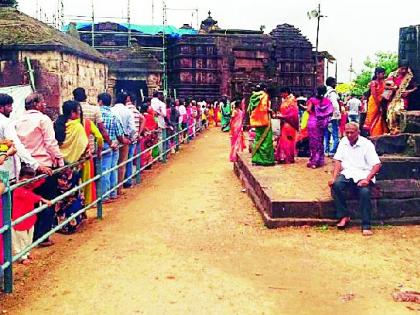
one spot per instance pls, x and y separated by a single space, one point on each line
293 195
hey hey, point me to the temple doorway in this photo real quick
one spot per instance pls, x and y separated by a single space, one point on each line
133 87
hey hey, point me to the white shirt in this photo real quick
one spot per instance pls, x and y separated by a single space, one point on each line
358 160
126 117
354 105
182 113
160 108
333 97
12 164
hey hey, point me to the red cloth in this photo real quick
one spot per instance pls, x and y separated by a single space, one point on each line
24 201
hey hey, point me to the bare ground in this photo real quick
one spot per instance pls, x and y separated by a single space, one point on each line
187 241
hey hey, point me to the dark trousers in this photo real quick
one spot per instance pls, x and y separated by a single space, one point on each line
342 184
45 218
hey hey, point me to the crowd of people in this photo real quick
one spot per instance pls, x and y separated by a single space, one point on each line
33 144
326 124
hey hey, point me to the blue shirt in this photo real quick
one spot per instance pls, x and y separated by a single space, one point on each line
112 124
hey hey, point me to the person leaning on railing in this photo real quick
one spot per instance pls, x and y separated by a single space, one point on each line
139 122
150 134
110 159
36 132
24 200
7 149
126 117
8 131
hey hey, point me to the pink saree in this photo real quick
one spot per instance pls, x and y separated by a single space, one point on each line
237 140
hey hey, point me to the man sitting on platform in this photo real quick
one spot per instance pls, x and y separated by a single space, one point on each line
356 164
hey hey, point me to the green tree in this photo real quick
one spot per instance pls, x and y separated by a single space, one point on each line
386 60
8 3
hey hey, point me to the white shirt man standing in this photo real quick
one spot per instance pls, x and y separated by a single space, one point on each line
332 95
8 131
356 164
126 117
159 107
354 105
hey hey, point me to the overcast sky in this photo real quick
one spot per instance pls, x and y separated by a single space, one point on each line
352 29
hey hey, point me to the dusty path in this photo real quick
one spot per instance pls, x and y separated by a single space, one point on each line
189 242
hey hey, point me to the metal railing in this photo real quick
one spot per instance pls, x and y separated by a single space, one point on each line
6 270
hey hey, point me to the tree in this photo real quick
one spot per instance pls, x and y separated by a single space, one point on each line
386 60
8 3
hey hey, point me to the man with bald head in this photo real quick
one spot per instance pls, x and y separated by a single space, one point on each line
36 132
356 164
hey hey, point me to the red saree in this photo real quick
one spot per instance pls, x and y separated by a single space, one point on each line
286 145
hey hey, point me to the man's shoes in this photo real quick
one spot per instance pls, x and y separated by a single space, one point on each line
341 225
127 185
367 232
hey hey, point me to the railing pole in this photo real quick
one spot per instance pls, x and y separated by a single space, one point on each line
164 145
99 187
188 132
138 163
7 236
177 138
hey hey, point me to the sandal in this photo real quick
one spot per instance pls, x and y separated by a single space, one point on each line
341 225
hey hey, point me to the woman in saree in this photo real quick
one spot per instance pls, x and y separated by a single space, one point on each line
190 119
403 85
320 111
237 139
259 111
70 133
375 122
150 137
289 124
217 114
226 114
88 167
210 115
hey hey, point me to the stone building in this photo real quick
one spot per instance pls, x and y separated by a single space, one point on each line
134 51
57 62
208 63
409 52
133 70
228 61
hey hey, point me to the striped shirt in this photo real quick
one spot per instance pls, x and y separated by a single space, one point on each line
137 116
91 112
111 123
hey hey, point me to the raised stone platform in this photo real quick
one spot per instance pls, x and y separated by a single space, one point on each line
293 195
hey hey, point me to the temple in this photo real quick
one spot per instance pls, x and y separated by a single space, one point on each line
206 63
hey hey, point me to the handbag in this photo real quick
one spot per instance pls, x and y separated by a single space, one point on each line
304 120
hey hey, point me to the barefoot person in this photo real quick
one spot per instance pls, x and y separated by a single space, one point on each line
259 115
356 164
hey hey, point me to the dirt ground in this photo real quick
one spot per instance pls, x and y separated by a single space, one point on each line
188 241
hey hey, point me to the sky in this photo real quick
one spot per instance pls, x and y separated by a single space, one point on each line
351 30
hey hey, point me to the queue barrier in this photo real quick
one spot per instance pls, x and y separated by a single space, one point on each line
6 270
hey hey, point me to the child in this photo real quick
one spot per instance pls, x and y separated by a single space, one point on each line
67 207
251 138
24 200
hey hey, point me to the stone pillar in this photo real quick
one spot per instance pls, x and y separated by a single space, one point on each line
410 121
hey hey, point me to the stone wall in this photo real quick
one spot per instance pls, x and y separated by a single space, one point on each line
56 75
